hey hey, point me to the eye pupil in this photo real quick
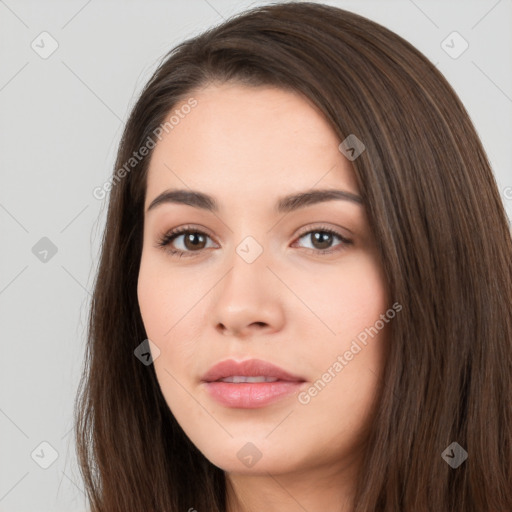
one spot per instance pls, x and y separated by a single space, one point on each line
323 238
192 239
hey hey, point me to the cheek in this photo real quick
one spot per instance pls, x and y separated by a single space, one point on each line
163 298
364 296
152 303
353 308
166 305
349 299
157 303
343 392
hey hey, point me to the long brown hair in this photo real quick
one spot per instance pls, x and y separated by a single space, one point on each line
444 243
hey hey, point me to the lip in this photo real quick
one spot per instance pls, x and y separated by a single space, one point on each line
249 395
248 368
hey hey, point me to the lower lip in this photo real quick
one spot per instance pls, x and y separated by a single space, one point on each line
252 395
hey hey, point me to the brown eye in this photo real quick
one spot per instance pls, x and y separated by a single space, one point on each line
193 241
322 239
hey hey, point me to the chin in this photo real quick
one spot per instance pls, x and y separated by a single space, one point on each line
243 456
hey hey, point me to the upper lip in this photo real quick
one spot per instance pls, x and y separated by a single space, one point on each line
248 368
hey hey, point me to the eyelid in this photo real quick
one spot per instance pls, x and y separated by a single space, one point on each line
323 226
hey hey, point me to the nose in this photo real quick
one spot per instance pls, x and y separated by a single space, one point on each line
247 300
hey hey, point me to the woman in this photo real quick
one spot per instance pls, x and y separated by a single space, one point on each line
304 298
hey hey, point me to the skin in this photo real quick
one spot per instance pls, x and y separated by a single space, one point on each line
293 307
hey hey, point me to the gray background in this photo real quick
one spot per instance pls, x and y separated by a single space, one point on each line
61 120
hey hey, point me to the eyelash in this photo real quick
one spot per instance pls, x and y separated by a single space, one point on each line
170 236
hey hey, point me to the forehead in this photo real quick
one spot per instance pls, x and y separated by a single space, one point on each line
248 143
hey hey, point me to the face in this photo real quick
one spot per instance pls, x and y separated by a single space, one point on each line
299 287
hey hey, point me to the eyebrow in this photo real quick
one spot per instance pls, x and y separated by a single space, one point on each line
284 204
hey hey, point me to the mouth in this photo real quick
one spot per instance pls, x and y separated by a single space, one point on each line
254 370
249 384
240 379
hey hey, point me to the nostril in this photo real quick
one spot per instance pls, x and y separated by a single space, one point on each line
261 324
